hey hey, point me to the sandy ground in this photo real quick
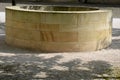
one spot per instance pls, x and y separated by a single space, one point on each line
21 64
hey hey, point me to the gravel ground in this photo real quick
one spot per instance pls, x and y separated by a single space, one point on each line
21 64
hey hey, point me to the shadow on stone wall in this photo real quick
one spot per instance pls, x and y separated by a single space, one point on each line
42 68
115 32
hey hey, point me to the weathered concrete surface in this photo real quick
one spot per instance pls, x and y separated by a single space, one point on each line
22 64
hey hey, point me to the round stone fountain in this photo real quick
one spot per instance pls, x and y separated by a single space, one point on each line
58 28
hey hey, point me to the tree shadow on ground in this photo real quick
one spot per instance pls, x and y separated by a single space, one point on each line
42 68
115 32
2 28
116 39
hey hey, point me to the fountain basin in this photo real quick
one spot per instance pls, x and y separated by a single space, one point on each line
58 28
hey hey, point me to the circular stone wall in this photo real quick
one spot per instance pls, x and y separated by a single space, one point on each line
58 29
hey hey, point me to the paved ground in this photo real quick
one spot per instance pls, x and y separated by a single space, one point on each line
21 64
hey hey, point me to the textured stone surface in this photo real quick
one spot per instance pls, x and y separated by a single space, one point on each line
58 31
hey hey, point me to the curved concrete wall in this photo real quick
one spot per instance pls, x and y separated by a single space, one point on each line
56 29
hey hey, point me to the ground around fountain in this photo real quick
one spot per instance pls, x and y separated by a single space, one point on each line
21 64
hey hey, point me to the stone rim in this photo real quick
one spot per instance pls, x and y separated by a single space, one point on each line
95 10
